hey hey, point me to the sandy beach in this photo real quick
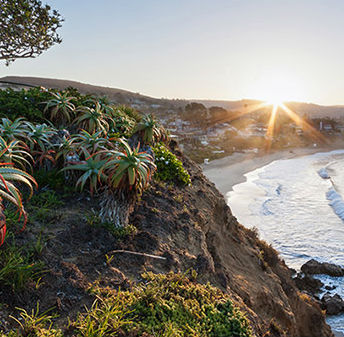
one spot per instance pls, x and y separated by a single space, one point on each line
229 171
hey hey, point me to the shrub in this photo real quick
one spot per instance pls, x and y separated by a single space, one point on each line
23 103
169 167
169 304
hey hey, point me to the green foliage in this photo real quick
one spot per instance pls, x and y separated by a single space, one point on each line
150 130
90 142
27 29
10 192
121 123
163 305
12 130
46 199
16 152
128 169
35 324
92 171
23 103
92 119
169 167
60 107
17 267
53 179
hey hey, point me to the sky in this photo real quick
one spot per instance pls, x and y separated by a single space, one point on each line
209 49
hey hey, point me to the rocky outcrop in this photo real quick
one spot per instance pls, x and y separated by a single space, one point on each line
333 305
308 283
315 267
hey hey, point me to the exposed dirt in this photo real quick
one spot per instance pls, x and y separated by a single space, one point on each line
192 227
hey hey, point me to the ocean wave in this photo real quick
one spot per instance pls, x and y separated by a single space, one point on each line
265 209
336 202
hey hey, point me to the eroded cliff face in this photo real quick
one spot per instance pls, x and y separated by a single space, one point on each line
194 228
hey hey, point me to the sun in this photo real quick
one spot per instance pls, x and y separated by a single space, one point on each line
274 101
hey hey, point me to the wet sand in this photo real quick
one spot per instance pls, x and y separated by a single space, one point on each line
229 171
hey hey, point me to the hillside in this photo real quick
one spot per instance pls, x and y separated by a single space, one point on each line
164 107
191 228
105 212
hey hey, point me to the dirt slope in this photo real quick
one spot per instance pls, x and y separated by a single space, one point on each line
191 227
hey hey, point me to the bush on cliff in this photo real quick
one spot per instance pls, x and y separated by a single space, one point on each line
169 167
162 305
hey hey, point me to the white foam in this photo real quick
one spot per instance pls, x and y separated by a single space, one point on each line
336 202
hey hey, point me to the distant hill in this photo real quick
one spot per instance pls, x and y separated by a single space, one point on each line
311 109
163 107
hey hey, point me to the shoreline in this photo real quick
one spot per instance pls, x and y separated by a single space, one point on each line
230 171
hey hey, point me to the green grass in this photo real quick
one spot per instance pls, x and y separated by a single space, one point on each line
18 266
34 324
46 199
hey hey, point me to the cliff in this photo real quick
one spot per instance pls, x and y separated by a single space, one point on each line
192 227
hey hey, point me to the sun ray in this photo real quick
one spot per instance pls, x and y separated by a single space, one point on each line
271 127
306 127
249 109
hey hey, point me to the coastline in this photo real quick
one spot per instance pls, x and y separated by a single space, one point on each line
229 171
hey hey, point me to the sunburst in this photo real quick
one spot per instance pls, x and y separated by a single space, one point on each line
277 104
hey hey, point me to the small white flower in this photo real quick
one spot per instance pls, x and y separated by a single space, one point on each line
167 162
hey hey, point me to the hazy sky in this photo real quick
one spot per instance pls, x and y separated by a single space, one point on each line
217 49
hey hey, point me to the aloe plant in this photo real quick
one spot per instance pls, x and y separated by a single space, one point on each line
150 131
91 168
44 158
122 123
60 107
92 119
90 142
65 148
128 173
16 152
40 135
13 130
10 177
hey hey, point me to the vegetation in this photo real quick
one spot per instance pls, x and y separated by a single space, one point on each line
110 154
61 108
18 267
24 103
149 131
162 305
128 173
106 148
27 29
169 167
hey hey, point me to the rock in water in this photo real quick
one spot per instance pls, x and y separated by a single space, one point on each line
315 267
333 304
307 283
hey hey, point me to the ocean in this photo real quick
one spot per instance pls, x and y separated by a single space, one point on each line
297 205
